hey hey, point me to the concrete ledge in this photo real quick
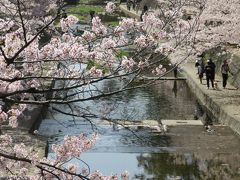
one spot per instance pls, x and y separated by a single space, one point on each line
182 122
143 78
222 105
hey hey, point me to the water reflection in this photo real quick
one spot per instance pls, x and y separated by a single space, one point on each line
175 88
167 166
189 166
165 104
163 100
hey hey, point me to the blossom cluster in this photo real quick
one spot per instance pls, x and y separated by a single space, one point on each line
160 70
5 25
67 23
127 63
219 24
73 146
97 26
110 7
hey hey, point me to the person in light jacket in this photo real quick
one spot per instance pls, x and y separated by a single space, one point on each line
225 70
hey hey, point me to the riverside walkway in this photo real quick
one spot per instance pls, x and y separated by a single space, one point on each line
132 13
223 105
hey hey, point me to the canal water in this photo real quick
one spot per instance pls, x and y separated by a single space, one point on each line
188 153
180 153
118 149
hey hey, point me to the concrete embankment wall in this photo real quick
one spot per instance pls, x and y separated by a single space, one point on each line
221 105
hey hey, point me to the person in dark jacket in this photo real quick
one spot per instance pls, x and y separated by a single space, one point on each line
212 64
129 2
145 9
209 73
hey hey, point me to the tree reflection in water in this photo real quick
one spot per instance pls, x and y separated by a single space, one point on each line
189 166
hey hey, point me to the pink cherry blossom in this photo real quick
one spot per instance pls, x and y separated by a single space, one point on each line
150 20
6 140
127 63
97 26
3 116
110 7
126 24
68 22
94 72
160 70
88 36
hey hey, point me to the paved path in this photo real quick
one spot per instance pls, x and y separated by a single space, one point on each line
132 13
222 104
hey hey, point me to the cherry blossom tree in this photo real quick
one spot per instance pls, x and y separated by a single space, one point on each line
219 24
69 68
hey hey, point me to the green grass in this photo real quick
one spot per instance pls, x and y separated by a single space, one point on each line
82 12
85 9
113 23
123 53
81 17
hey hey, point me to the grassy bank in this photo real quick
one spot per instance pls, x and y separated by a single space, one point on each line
82 11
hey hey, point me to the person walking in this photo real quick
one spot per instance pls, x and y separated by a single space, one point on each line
129 5
209 74
224 70
199 61
134 2
212 64
145 9
138 5
200 72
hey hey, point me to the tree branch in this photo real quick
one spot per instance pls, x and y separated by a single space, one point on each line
41 165
22 21
11 60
